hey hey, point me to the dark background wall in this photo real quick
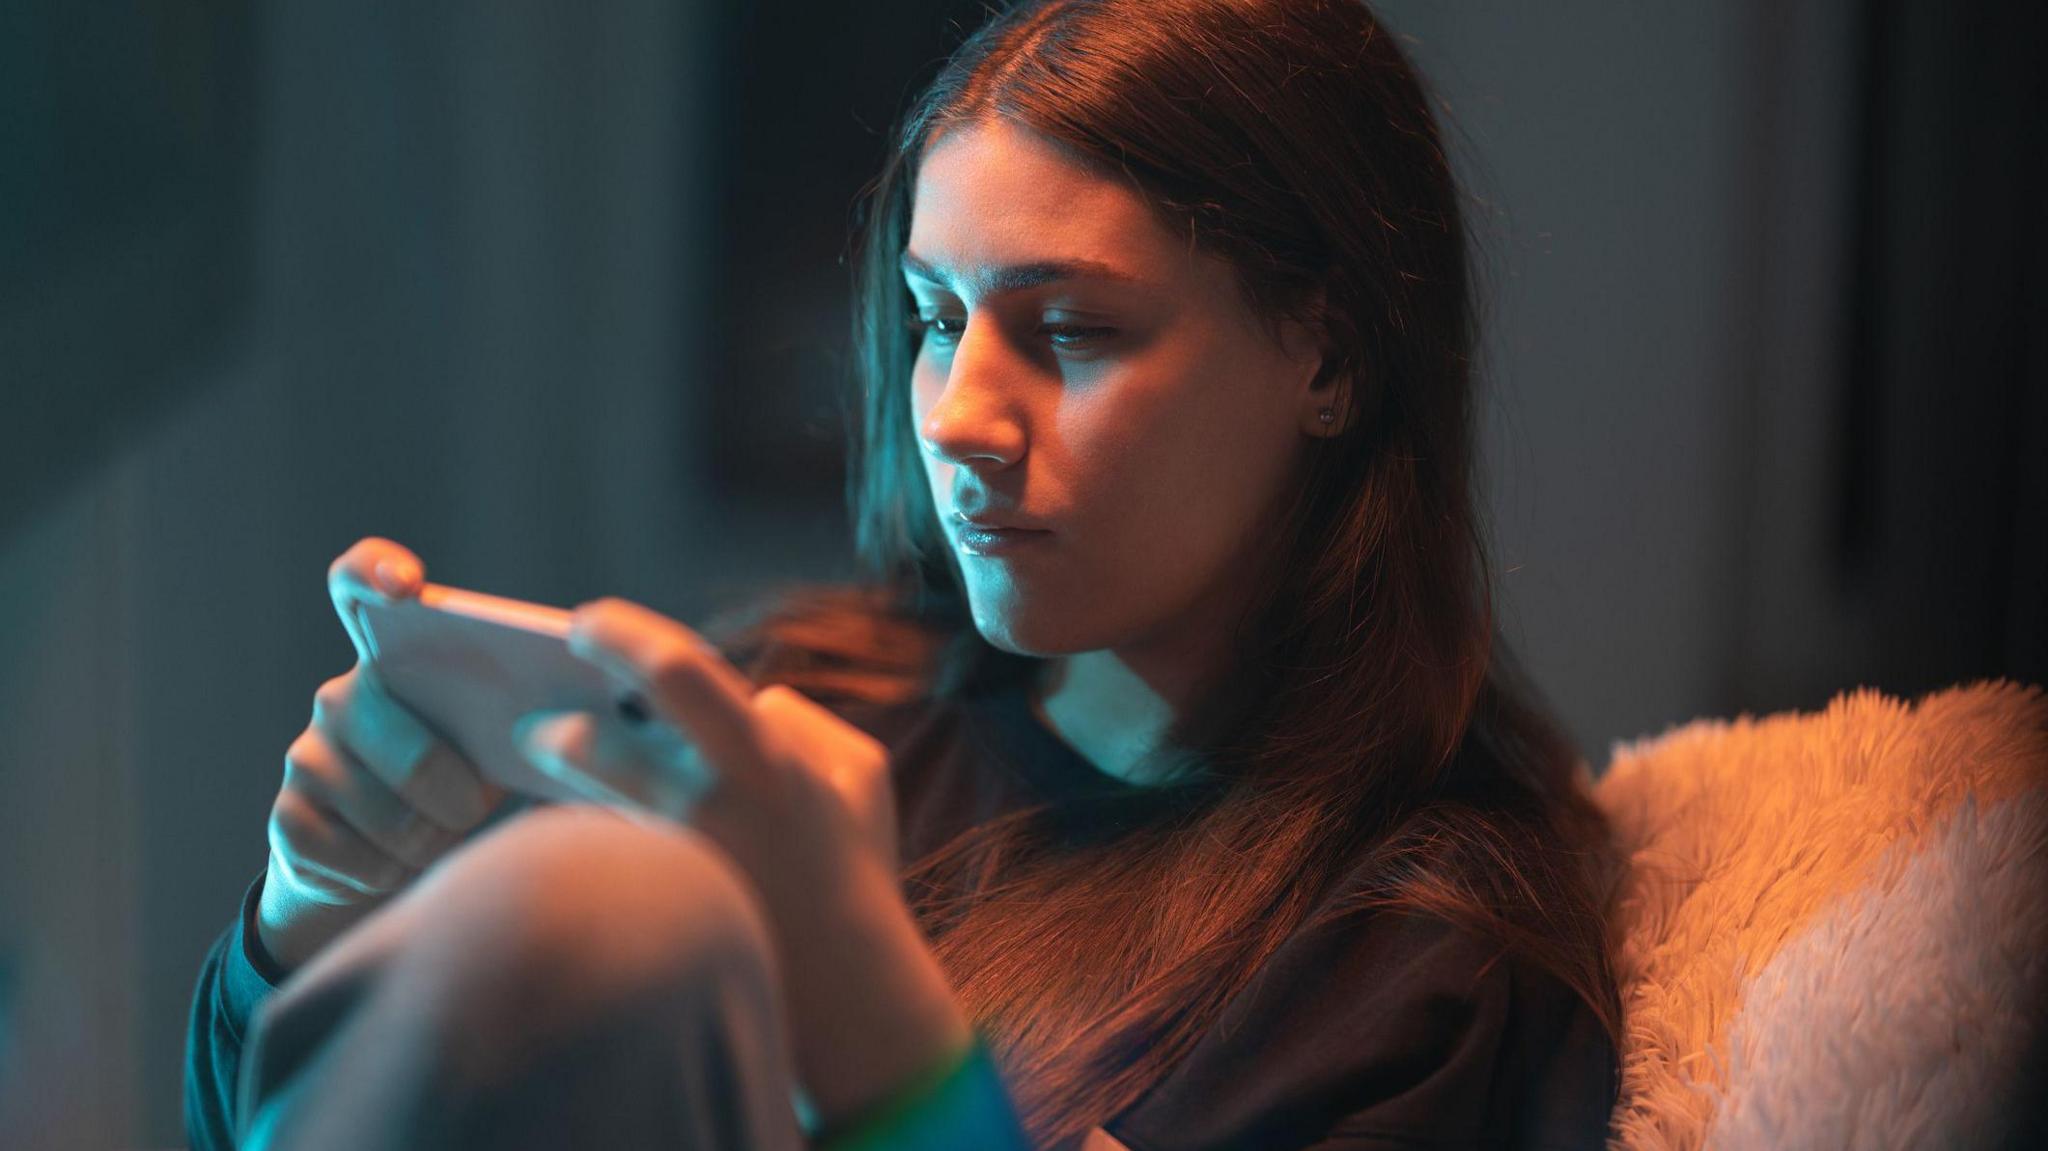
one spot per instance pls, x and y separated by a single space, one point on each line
555 296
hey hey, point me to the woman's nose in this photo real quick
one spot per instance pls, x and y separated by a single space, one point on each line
977 417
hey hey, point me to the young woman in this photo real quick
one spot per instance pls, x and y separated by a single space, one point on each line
1163 784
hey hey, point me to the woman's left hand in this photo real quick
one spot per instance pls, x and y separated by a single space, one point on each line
778 781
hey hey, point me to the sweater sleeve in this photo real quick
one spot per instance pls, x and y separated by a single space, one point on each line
234 979
960 1104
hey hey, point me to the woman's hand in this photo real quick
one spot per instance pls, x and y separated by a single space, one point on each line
770 776
370 797
802 802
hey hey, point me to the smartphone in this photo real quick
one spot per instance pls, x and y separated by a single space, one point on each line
470 665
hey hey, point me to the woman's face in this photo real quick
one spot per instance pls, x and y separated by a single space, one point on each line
1086 372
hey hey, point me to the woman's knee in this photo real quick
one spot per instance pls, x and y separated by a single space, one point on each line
581 909
559 964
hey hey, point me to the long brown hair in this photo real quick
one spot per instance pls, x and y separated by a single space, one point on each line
1373 731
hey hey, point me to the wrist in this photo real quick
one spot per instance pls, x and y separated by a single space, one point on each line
870 1007
290 928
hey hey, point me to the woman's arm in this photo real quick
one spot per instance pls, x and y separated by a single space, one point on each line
869 1008
803 803
235 978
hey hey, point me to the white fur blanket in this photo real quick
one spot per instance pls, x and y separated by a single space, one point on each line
1834 933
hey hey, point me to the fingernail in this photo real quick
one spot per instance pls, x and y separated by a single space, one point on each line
395 576
534 747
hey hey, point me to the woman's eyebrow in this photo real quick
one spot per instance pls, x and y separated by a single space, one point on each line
1013 277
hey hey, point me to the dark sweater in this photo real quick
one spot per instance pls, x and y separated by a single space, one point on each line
1376 1031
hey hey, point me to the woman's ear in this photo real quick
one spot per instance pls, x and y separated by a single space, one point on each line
1326 400
1328 411
1327 406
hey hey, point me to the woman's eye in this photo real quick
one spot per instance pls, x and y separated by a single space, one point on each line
935 328
947 330
1074 335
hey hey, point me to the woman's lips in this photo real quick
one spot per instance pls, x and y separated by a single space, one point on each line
999 541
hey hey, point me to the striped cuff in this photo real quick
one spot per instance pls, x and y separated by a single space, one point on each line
961 1103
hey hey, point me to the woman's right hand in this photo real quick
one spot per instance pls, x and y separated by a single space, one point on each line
370 796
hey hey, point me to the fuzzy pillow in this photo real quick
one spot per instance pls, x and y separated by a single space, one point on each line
1835 928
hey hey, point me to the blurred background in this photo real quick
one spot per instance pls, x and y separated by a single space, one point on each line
554 295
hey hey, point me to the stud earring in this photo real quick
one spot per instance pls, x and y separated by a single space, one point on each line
1327 415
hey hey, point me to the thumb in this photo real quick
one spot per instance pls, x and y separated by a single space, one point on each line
647 766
